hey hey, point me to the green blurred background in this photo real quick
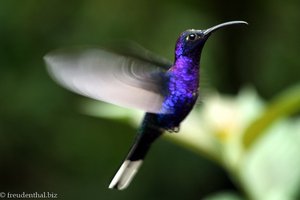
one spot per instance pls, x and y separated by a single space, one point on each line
47 145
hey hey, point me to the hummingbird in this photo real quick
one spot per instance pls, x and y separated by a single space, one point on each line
166 91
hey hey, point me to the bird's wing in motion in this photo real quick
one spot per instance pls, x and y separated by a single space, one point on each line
116 78
134 50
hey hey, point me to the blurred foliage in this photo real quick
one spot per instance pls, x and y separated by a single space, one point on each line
264 169
286 104
45 145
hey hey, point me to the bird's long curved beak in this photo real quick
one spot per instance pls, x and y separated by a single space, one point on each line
208 31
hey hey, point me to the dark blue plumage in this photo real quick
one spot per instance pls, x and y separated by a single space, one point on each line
166 92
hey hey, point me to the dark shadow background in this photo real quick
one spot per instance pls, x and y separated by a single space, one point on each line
47 145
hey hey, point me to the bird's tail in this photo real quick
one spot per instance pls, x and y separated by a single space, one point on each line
146 136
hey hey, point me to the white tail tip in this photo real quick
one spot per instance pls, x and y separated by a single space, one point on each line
125 174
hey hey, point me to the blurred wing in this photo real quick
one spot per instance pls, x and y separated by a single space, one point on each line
111 77
134 50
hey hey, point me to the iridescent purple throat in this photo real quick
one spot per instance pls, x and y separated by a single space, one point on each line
182 90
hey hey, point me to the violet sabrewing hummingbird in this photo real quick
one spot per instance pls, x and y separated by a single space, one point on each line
166 91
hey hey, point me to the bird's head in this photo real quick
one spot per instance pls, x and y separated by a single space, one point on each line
191 42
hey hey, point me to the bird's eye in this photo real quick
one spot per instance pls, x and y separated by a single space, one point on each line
191 37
